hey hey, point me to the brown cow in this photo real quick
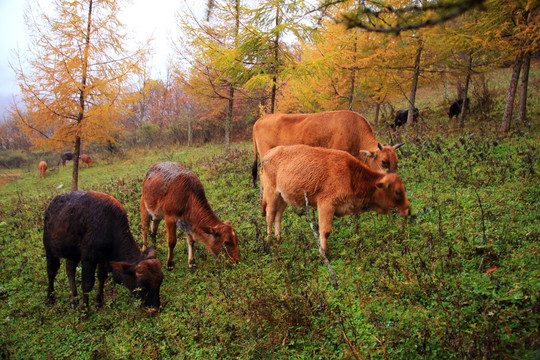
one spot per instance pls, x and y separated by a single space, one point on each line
42 166
341 130
334 181
87 160
172 193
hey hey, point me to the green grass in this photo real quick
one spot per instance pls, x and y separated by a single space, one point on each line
408 288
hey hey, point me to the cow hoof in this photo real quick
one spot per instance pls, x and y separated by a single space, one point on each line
170 267
192 266
73 304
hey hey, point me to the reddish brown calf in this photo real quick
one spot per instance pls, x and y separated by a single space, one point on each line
86 160
169 192
333 180
42 166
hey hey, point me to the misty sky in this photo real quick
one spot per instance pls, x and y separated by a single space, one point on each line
143 18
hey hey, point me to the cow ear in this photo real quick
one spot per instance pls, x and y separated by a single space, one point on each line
122 266
367 153
397 146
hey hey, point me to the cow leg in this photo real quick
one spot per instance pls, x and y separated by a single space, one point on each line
280 206
88 278
102 277
71 268
53 264
145 222
191 244
326 215
154 229
170 224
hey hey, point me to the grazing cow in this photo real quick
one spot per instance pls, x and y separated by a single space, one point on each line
455 108
402 116
92 228
172 193
341 130
334 181
87 160
42 166
66 156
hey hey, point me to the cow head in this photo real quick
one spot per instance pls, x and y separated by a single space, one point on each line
390 194
143 279
224 240
383 158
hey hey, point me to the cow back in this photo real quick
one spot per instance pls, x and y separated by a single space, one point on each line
341 130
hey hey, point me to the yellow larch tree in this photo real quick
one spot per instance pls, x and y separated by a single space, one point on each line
75 74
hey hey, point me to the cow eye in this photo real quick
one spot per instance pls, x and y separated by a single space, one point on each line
399 193
385 164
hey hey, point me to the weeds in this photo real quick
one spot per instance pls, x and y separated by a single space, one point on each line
459 279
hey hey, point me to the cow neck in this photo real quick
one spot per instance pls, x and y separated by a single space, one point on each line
201 214
363 179
127 249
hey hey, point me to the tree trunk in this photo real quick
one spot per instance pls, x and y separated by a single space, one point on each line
228 119
189 125
412 97
82 101
76 154
507 117
275 65
522 114
377 110
353 74
465 103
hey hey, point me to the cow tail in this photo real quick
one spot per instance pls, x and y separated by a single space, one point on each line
254 167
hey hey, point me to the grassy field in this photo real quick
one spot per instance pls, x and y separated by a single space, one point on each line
459 279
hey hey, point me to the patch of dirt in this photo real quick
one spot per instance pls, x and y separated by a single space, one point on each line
9 175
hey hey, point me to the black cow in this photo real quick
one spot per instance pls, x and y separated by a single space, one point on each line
401 118
455 108
92 228
65 156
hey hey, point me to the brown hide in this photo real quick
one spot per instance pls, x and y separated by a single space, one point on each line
176 195
42 166
87 160
334 181
340 130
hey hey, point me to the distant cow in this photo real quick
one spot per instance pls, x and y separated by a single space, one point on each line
66 156
455 108
42 166
172 193
87 160
92 228
402 116
334 181
341 130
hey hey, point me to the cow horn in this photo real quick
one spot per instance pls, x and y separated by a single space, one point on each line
397 146
379 146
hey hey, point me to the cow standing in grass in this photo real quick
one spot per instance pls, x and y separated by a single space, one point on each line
92 228
176 195
66 156
42 166
340 130
332 180
86 160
